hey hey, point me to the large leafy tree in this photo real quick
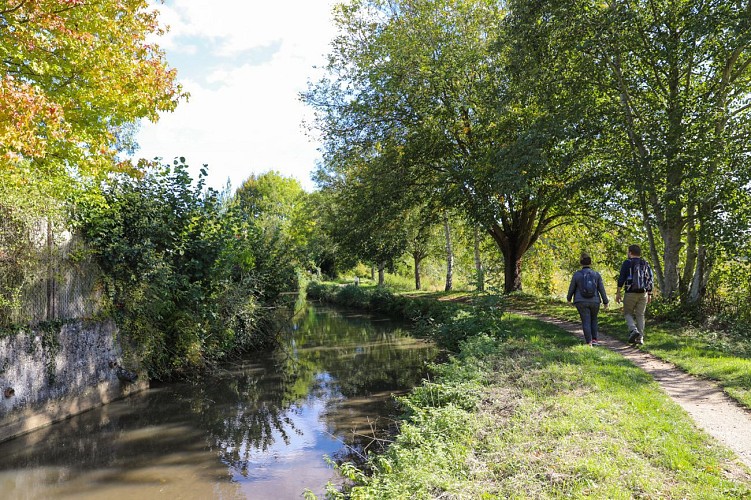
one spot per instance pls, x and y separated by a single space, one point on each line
278 206
363 210
486 127
73 75
676 81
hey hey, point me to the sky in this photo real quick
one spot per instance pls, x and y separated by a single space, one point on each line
244 63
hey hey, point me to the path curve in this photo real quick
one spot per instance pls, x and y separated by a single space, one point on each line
712 410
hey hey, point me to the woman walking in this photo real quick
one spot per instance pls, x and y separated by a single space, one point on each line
587 291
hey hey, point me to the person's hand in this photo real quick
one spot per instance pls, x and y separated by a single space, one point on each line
649 298
605 306
618 297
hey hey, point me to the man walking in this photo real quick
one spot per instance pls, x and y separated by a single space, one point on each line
586 290
636 278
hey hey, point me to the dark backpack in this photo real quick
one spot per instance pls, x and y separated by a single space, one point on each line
640 276
589 285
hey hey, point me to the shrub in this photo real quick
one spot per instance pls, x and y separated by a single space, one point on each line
189 277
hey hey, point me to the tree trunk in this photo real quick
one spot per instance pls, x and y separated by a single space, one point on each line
689 268
381 274
672 203
418 259
701 275
478 263
449 256
372 272
672 241
512 252
512 272
653 253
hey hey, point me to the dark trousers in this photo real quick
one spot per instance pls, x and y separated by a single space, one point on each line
588 313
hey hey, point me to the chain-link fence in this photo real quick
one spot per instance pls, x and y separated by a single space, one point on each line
46 274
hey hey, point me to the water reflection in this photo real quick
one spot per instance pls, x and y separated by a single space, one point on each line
257 429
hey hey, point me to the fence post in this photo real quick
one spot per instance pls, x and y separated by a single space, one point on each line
51 285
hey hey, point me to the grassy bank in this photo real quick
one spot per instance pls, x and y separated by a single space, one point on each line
523 410
719 356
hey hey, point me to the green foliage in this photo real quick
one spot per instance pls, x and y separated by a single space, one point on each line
438 105
448 323
185 274
352 296
384 301
537 415
17 257
73 77
523 116
727 305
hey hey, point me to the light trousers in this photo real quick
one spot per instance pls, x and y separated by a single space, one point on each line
634 306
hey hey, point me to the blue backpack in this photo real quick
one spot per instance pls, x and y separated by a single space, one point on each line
588 284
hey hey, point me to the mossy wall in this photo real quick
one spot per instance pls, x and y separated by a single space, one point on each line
56 371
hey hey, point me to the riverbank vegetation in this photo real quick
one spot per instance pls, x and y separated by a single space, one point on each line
535 385
524 410
188 275
474 145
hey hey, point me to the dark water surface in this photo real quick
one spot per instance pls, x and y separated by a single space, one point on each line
258 429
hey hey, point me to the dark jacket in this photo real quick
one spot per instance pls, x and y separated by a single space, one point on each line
577 283
623 277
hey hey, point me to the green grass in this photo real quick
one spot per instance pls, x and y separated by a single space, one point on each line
711 355
538 415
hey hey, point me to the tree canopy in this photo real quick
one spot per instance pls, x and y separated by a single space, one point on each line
430 94
74 74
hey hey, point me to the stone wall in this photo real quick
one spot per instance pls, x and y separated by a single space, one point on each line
47 375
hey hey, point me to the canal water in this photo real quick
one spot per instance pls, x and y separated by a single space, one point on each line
259 428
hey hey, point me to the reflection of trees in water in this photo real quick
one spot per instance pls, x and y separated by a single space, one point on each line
349 364
247 409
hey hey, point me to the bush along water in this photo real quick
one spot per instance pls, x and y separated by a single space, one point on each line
187 276
447 322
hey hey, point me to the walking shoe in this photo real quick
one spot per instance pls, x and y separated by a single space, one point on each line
595 342
640 340
633 337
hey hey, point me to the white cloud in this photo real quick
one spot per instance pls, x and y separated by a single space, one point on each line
246 63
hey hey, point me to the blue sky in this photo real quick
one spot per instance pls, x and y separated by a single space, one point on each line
244 63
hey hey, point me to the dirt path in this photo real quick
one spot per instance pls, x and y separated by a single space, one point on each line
711 409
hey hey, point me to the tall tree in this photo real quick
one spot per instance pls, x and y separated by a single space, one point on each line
362 213
419 224
72 74
428 79
479 269
449 255
676 80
